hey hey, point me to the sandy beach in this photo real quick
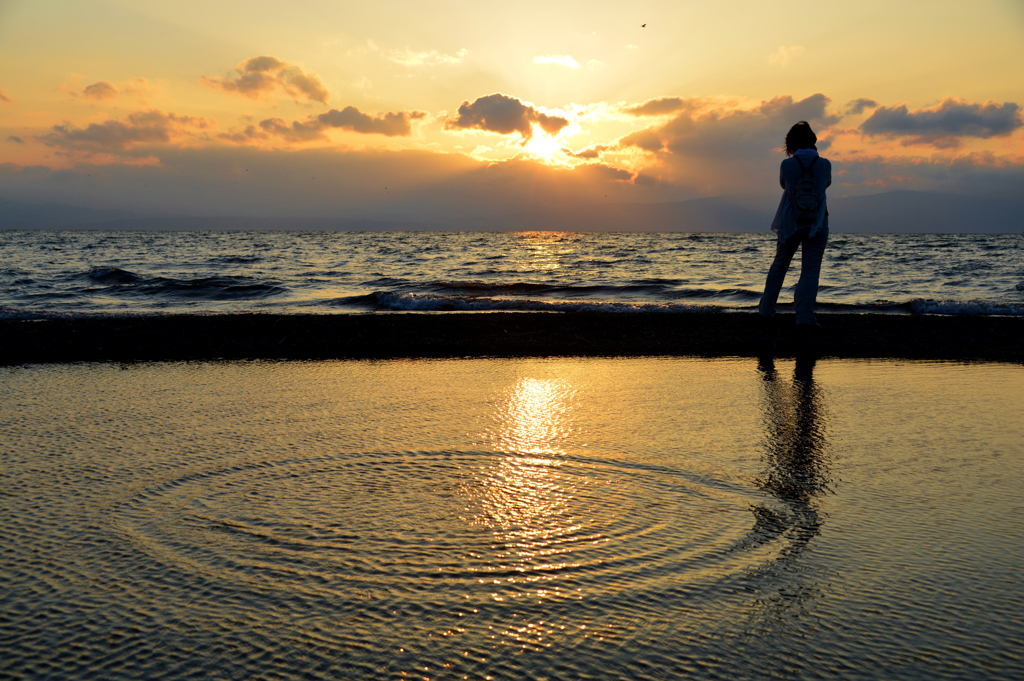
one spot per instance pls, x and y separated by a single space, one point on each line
503 334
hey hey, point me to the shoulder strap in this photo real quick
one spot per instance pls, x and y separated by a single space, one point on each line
803 168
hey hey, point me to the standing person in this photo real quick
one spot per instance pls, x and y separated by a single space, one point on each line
800 221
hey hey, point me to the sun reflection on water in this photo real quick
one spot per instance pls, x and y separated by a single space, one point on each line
525 496
534 417
543 251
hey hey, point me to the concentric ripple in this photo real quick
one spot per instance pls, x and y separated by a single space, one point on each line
478 526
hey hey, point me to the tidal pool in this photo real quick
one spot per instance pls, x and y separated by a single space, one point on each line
512 519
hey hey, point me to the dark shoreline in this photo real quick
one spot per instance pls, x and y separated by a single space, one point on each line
503 334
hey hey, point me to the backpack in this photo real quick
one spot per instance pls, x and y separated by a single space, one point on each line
806 201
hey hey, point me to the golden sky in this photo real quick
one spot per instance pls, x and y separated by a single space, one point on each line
389 109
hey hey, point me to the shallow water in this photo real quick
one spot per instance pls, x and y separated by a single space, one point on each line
512 519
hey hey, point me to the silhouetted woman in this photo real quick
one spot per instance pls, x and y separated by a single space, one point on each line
800 221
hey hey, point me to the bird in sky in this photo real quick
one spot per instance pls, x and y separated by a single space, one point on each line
643 25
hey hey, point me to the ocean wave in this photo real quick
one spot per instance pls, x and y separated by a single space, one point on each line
409 302
216 288
966 307
112 275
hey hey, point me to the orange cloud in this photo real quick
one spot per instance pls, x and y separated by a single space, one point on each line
297 131
139 128
588 153
262 76
945 125
391 124
421 58
505 115
662 106
858 106
716 149
101 90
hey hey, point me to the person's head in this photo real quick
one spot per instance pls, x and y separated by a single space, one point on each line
800 136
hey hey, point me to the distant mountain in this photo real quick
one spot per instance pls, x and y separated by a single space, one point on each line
926 212
20 215
890 212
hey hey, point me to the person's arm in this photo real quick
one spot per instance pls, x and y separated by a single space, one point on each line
777 222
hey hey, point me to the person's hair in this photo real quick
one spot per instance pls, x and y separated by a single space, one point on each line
800 136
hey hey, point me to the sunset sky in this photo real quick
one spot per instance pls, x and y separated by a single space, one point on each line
409 109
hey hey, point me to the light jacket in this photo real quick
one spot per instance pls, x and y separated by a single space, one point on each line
789 175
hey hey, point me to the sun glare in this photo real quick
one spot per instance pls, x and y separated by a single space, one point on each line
543 146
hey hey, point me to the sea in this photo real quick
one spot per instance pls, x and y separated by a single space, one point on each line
495 519
46 273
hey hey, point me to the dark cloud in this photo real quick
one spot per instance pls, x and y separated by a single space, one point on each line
450 190
605 172
250 133
945 124
978 173
720 150
588 153
505 115
4 98
101 90
261 76
392 124
15 139
297 131
858 106
661 106
139 128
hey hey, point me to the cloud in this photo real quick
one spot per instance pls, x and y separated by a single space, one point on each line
719 149
250 133
558 60
605 172
858 106
976 173
588 153
944 125
139 128
784 54
505 115
391 124
297 131
662 106
4 98
101 90
139 87
422 58
15 139
264 75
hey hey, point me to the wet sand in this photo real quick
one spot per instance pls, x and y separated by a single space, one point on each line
504 334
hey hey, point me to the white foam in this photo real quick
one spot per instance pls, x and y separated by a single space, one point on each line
440 303
966 307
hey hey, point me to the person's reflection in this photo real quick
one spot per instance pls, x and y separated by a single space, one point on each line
796 455
796 473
